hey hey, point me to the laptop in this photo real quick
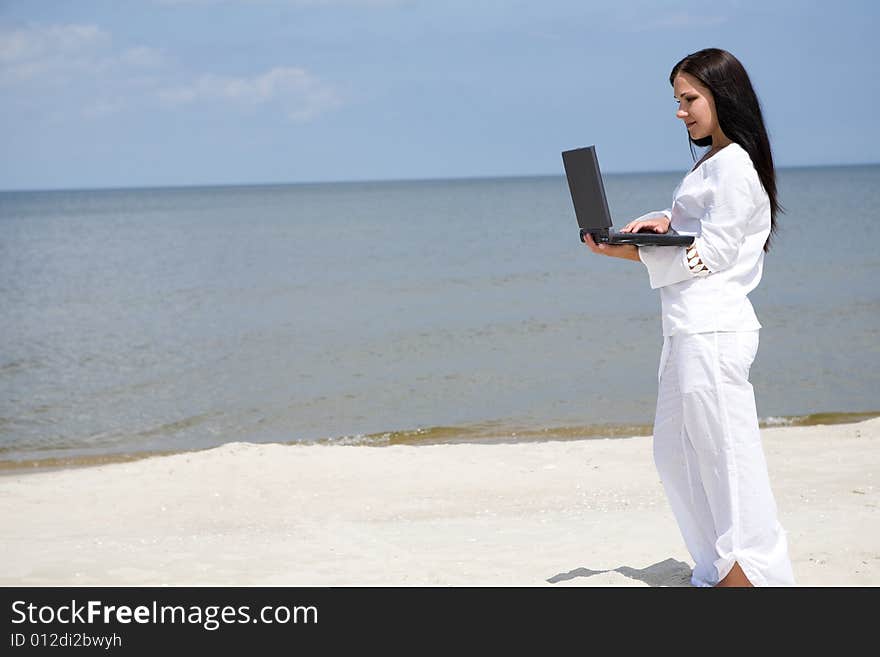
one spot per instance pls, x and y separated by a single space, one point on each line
591 206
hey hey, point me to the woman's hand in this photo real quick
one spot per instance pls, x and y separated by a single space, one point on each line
658 225
625 251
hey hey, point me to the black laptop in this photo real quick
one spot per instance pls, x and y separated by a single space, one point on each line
591 207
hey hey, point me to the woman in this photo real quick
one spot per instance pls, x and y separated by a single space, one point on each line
707 445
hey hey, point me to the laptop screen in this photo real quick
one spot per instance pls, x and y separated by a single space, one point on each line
586 187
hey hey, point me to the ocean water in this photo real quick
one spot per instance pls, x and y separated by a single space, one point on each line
155 320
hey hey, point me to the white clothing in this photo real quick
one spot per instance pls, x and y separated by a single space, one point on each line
707 444
708 452
722 203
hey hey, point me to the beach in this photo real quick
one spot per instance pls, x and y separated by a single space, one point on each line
582 512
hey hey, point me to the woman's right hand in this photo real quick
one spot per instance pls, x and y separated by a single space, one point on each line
658 225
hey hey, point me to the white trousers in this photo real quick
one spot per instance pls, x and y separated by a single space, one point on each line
708 452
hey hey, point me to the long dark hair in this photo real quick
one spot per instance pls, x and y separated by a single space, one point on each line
739 114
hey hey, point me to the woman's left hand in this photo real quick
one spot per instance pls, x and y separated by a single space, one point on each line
657 224
625 251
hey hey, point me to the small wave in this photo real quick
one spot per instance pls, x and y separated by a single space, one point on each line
773 421
814 419
488 432
484 433
504 432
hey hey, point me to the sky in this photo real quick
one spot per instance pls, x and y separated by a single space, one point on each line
142 93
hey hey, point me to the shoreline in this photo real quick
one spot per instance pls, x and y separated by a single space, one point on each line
554 513
483 433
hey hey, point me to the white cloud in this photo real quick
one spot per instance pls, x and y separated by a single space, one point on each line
40 52
37 63
301 95
62 54
34 42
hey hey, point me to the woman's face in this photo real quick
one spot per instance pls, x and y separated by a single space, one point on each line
696 107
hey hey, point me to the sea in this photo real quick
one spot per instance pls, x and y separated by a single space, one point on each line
149 321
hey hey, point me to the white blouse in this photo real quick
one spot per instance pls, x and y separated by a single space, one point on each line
723 203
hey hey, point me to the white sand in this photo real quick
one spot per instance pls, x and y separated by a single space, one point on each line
568 513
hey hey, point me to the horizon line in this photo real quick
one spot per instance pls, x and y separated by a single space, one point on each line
385 180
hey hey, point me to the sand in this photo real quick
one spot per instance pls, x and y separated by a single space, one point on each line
564 513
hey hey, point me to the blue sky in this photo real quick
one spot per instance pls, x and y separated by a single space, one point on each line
116 93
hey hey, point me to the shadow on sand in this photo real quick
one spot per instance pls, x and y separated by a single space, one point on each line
664 573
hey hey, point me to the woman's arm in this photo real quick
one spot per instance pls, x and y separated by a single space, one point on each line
657 222
729 203
724 225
